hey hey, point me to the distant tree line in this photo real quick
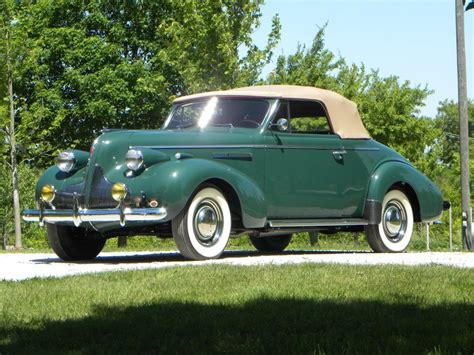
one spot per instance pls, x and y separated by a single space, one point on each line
80 66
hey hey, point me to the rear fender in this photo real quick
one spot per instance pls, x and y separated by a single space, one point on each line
391 174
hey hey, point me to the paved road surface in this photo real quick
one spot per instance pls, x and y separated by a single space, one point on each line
26 266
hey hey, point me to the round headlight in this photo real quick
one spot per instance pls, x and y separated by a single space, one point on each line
66 161
47 193
134 159
119 191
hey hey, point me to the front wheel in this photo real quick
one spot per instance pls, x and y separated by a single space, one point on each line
202 230
72 243
394 232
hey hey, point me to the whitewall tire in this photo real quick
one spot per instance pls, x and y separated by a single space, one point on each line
202 230
394 232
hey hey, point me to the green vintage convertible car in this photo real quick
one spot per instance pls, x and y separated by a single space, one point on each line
267 161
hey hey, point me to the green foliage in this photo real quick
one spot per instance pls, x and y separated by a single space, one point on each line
35 236
447 121
100 64
311 67
389 108
446 173
269 309
5 18
310 125
81 66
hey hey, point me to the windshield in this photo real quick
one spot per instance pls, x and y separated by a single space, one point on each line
214 111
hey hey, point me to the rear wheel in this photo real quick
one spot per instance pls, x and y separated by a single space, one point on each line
202 230
393 233
271 244
72 243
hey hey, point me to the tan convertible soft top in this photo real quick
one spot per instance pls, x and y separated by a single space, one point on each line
343 114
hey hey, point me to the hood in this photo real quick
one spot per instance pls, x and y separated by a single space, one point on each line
110 148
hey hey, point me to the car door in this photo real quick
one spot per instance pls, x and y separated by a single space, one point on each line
304 165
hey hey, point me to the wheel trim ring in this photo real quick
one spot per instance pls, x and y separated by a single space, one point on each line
213 237
394 212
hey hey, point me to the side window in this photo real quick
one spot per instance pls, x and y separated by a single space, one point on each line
308 117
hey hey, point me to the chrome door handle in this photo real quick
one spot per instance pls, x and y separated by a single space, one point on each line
339 154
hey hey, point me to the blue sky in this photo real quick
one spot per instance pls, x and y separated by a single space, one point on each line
413 39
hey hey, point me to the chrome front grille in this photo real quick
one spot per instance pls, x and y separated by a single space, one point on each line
64 198
99 194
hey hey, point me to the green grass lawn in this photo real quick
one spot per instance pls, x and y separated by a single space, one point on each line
305 308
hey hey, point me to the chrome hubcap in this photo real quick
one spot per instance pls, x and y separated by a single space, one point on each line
395 220
208 222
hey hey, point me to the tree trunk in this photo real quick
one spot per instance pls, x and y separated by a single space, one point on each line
11 133
4 236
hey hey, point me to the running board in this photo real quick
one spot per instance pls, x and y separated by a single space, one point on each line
291 223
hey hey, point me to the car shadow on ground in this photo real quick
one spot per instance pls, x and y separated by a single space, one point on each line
172 256
265 325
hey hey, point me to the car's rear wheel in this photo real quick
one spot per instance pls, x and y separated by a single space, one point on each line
72 243
394 232
271 244
202 230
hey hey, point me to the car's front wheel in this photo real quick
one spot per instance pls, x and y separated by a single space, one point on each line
272 244
202 230
72 243
394 232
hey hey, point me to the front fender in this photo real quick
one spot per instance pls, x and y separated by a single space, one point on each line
174 182
59 179
394 172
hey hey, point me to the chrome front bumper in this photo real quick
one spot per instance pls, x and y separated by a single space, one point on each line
81 215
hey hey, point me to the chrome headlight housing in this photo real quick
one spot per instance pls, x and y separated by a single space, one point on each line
66 161
134 159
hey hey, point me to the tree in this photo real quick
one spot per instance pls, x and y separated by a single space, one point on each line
77 67
106 64
8 51
447 121
389 108
314 66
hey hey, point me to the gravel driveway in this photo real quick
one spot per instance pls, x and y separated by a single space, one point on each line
26 266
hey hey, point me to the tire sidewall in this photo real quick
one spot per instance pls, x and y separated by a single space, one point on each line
72 243
402 244
216 249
